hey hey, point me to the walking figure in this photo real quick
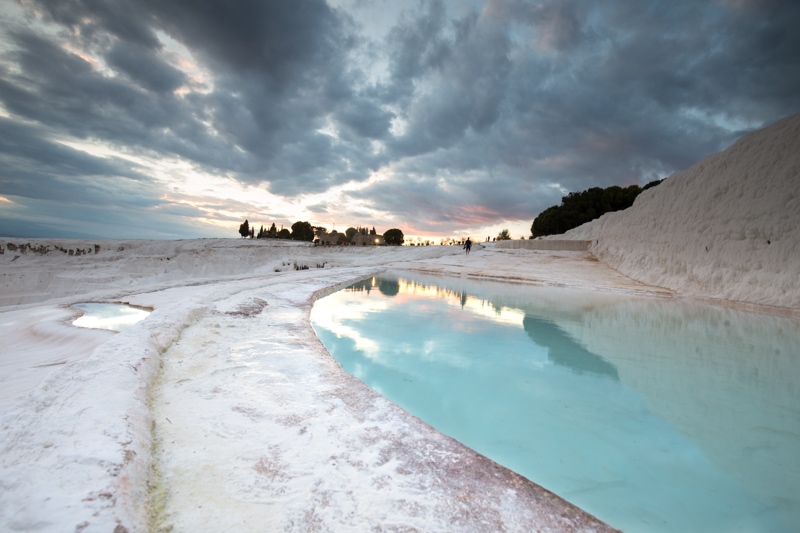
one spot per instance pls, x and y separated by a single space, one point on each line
468 245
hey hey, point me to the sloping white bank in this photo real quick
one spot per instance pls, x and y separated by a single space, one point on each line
725 228
222 410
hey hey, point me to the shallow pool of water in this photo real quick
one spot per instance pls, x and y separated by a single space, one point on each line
653 414
116 317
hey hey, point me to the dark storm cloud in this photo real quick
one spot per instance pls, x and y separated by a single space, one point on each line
111 221
279 70
364 118
33 166
582 95
65 93
319 208
26 146
478 114
145 68
95 20
452 201
417 44
281 43
80 194
467 84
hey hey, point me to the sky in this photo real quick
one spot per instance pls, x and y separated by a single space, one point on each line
443 118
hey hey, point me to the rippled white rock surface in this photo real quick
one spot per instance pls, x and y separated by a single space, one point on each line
225 398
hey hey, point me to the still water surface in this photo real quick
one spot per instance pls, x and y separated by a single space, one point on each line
116 317
653 414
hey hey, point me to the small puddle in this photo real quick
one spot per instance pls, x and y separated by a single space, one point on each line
116 317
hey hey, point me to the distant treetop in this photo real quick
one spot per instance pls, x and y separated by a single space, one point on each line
304 231
581 207
394 237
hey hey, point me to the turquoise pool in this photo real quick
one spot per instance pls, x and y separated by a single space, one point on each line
653 414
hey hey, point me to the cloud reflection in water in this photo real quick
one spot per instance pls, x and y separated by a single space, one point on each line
641 410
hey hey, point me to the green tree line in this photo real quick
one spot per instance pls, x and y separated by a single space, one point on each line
304 231
301 231
580 207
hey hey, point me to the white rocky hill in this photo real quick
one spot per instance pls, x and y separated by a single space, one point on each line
727 228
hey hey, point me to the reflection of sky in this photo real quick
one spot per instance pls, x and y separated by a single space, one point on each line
527 389
116 317
338 317
405 290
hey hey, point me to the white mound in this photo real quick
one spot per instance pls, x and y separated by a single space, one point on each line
725 228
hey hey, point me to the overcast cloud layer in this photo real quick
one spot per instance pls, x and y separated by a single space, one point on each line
155 119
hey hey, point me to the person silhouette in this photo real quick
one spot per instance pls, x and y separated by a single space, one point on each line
468 245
